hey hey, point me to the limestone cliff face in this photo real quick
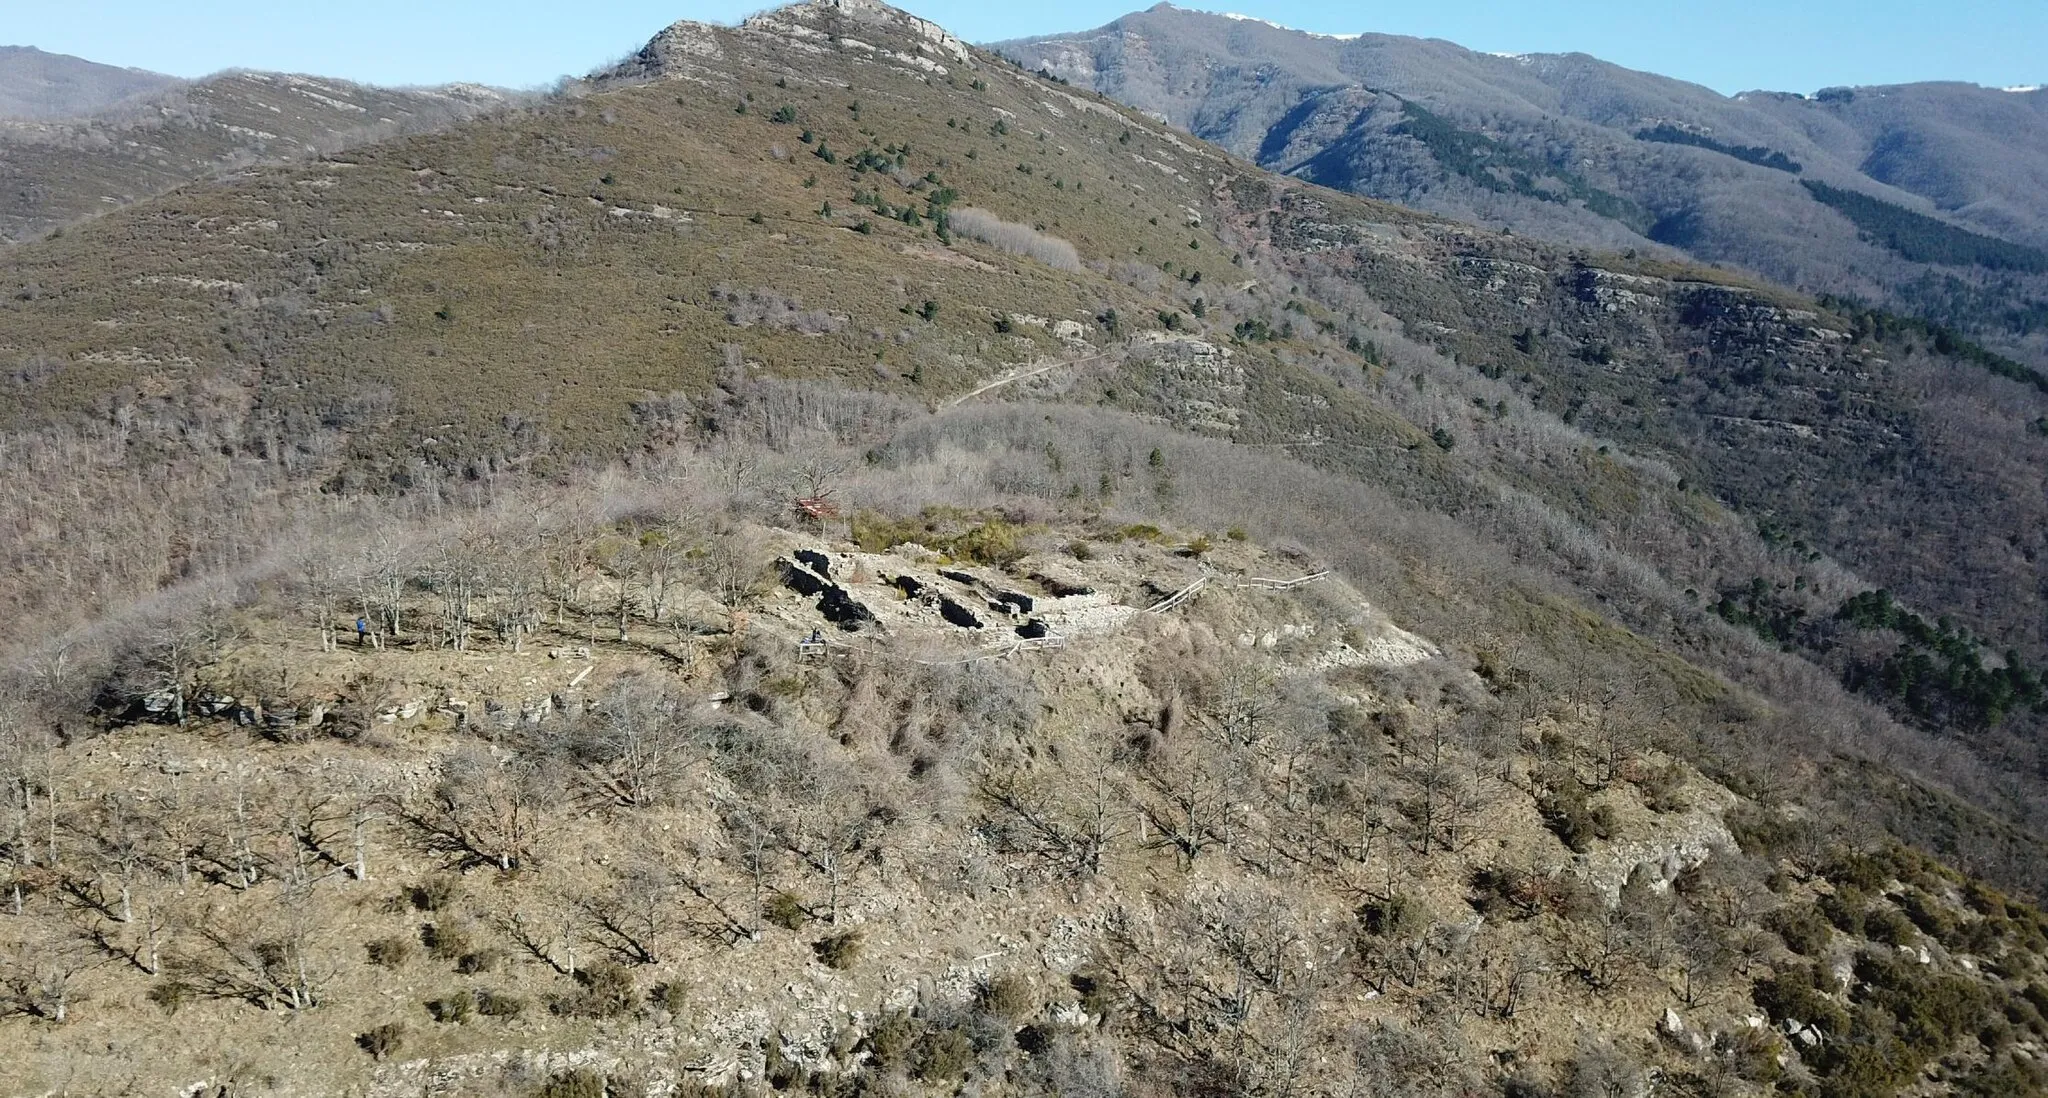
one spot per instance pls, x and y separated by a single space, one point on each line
860 27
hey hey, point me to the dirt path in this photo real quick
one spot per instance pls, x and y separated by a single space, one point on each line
1007 379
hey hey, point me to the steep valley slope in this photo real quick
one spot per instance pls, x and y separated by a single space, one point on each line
879 571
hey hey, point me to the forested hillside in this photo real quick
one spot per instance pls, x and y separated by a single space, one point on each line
820 560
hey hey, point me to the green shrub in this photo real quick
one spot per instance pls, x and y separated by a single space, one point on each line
1929 914
444 941
1804 930
575 1083
993 542
890 1042
876 533
785 910
671 996
479 961
499 1004
1397 916
603 990
1865 872
941 1056
1762 833
1846 907
456 1006
169 994
1795 994
436 893
1889 926
1008 996
390 952
1574 822
840 951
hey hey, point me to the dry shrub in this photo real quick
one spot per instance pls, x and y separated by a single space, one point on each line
768 308
1014 238
382 1042
390 952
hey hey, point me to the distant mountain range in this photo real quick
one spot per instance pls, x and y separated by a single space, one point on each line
41 86
1926 198
79 138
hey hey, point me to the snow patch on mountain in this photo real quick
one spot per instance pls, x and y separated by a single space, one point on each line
1281 26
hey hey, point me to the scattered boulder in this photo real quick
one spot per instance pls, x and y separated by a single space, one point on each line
816 561
958 615
1678 1033
1033 629
1021 601
910 586
840 609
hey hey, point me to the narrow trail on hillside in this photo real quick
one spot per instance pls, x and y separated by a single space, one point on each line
1011 378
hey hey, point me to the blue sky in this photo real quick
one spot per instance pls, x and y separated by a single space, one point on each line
1729 45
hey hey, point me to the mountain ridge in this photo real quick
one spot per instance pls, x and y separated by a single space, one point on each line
58 170
1556 145
40 86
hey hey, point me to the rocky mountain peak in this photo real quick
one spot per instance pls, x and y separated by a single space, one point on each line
866 26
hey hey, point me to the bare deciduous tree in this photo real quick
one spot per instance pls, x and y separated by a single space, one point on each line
485 811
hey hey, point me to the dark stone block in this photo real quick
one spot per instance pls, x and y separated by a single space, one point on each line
957 614
800 579
840 609
1060 590
817 562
